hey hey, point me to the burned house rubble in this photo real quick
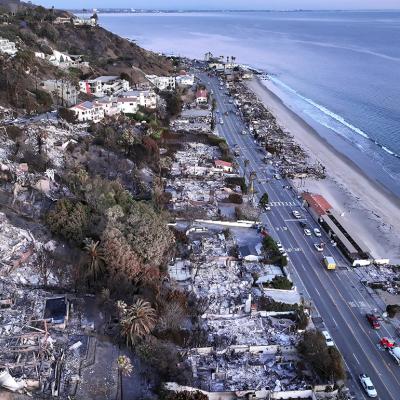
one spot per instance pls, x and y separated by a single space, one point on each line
197 182
39 336
293 161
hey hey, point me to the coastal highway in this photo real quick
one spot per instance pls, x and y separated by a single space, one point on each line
339 300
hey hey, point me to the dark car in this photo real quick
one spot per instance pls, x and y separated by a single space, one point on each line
373 320
304 225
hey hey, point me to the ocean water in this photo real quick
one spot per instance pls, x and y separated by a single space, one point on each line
340 71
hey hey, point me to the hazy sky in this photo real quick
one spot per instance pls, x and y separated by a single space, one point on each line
226 4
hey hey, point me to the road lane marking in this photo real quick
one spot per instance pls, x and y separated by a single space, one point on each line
356 359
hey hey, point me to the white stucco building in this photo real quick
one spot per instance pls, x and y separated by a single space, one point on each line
7 47
162 82
104 86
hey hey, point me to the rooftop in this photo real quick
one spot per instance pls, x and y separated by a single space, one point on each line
317 202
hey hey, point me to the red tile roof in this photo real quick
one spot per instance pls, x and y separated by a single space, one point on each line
317 202
201 93
220 163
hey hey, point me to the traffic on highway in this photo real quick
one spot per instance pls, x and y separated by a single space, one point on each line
324 277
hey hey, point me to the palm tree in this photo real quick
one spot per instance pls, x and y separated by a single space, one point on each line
96 259
137 320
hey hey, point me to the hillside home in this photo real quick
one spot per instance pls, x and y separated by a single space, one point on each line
7 47
146 98
104 86
162 82
88 111
62 60
185 80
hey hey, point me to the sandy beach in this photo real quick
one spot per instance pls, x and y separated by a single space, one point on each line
364 203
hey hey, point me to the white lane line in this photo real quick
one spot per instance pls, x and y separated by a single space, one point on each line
317 292
358 362
333 319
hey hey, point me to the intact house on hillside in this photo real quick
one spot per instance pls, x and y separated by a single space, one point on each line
92 21
202 96
65 91
88 111
7 47
185 80
127 103
104 86
162 82
62 60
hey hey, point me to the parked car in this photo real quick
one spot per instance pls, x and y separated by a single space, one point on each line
318 247
303 224
307 232
329 341
317 232
267 207
277 177
373 320
367 385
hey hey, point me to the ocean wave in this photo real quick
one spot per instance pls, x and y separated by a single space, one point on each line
331 114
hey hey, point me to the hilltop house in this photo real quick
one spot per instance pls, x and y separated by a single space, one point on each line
104 85
63 60
7 47
201 96
92 21
162 82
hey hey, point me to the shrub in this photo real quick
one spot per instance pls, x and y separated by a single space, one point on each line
281 282
43 98
67 114
70 220
326 361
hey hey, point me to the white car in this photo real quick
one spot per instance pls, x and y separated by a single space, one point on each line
267 207
307 232
221 121
318 247
317 232
296 214
277 177
244 132
367 385
328 339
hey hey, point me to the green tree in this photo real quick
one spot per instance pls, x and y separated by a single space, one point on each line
281 282
95 265
137 320
264 199
326 361
69 219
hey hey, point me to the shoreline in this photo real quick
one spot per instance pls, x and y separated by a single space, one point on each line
364 201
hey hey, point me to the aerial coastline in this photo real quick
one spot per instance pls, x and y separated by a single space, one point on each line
363 201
